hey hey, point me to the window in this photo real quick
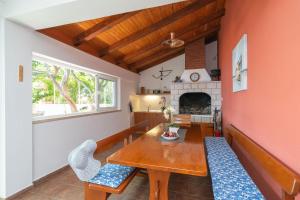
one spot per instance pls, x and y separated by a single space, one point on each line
107 95
62 89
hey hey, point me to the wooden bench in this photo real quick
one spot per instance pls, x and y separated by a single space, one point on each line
183 119
125 136
286 179
100 192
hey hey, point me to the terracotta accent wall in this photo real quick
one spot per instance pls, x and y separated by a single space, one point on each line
268 112
195 55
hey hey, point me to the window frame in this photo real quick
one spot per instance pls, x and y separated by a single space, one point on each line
116 93
97 74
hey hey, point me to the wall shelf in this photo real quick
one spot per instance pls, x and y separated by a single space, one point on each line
162 94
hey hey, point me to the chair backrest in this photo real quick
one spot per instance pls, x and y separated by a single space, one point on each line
82 161
286 178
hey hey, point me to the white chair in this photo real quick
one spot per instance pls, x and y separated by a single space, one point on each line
82 161
100 182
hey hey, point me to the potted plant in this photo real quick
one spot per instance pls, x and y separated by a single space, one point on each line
168 113
174 127
162 102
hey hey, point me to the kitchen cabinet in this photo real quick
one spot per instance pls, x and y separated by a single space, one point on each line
154 118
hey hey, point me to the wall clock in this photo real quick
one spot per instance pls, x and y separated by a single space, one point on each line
195 77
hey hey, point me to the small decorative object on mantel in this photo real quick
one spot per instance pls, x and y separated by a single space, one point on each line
239 65
162 74
177 79
215 74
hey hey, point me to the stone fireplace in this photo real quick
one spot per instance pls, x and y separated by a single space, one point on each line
198 99
195 103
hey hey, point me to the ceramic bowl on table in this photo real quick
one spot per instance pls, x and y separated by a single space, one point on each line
170 135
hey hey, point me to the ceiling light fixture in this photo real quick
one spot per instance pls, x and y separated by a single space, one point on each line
173 42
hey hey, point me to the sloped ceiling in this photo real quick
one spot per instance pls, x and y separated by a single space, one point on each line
133 40
39 14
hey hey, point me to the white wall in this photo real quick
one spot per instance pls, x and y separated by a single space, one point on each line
35 151
2 111
142 102
62 136
176 65
18 128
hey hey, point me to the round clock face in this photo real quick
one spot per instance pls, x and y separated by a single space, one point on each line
195 76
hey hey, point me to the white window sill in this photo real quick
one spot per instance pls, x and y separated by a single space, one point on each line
44 119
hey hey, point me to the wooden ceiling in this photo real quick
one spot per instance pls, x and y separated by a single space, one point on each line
133 40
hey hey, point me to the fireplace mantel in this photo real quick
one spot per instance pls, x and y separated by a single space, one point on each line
212 88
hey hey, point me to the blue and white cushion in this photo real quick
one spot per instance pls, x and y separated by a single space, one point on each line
218 147
229 178
112 175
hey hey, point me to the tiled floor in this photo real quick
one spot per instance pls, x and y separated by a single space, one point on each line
65 186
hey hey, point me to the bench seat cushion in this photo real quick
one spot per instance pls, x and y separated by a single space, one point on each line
218 147
229 178
112 175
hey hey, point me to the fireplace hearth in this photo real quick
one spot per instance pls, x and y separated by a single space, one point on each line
209 90
195 103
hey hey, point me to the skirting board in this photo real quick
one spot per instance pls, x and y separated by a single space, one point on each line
18 193
45 178
36 182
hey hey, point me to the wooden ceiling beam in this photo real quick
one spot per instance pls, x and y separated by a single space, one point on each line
197 36
164 22
87 47
161 60
101 27
153 56
179 34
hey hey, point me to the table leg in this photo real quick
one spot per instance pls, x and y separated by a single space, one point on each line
159 182
94 194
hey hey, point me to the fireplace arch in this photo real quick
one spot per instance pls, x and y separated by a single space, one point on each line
195 103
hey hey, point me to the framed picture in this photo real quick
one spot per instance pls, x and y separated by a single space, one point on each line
239 65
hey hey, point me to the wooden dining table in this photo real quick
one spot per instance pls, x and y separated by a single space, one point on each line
161 158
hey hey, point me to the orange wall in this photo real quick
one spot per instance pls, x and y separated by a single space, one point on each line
269 111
